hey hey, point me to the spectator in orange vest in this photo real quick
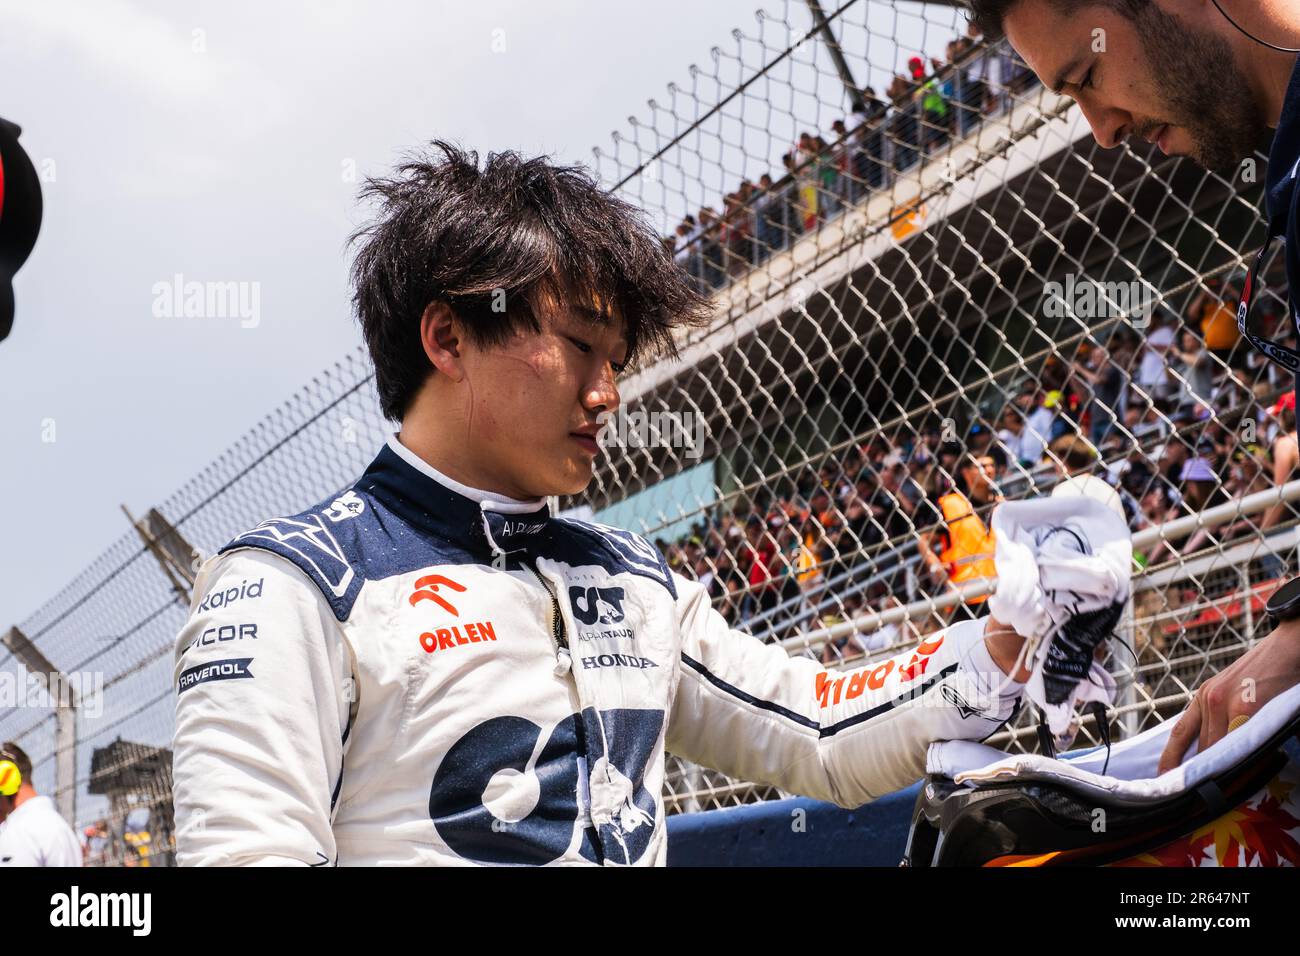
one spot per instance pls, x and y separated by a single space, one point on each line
964 540
1214 312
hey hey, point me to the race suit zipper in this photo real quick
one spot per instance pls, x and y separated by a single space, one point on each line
563 656
564 663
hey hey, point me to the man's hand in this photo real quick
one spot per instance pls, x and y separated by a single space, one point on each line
1259 675
937 571
1004 645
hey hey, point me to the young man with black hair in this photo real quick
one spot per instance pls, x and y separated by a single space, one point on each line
431 668
1213 80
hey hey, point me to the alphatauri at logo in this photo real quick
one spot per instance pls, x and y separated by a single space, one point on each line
597 605
347 505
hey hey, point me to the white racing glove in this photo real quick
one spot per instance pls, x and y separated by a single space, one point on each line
1064 575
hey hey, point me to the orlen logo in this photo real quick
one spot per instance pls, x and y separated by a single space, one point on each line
831 690
426 589
446 638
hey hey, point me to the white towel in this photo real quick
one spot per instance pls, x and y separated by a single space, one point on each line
1131 765
1064 574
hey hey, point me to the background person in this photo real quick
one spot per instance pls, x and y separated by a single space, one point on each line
1209 81
31 831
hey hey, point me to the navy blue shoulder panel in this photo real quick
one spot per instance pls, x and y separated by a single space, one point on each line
616 550
395 520
345 541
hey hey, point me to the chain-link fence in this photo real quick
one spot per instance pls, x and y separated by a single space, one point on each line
932 291
111 632
942 285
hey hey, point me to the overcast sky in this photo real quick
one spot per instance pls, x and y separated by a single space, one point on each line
215 141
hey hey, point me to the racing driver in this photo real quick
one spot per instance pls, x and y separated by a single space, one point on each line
431 668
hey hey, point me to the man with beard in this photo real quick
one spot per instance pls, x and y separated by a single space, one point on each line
1207 79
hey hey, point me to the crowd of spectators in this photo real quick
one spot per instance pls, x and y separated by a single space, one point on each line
1176 419
1161 414
823 175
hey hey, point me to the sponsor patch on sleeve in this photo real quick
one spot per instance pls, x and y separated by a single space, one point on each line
235 668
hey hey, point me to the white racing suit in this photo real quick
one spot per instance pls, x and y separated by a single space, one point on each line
420 673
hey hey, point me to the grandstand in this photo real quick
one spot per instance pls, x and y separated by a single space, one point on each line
944 284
